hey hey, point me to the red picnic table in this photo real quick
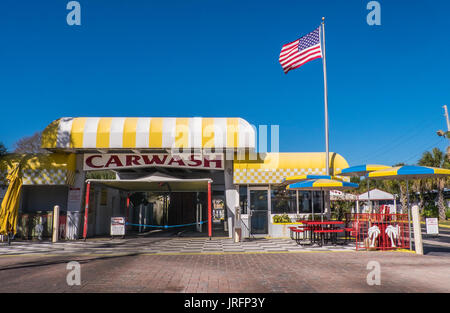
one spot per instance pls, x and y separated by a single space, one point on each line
319 227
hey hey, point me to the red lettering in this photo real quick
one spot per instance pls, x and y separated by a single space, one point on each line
89 161
218 162
196 162
155 159
177 160
114 159
132 160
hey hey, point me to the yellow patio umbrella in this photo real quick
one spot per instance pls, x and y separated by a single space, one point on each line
10 203
321 184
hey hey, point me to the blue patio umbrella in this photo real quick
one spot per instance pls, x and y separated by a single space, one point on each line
363 170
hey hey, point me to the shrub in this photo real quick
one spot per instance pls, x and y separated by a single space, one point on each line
281 218
430 210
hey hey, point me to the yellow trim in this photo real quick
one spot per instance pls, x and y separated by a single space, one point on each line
181 133
376 167
232 132
156 129
77 132
129 132
385 172
441 171
49 135
208 133
103 132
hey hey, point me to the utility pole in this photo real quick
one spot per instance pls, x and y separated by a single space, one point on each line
447 133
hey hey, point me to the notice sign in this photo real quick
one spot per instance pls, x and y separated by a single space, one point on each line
432 226
210 161
117 226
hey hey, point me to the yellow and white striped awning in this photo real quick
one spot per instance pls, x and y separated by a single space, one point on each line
148 133
276 166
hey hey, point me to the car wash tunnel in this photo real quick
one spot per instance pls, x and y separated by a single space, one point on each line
158 204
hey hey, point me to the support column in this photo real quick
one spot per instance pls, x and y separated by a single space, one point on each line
417 230
86 210
55 234
231 198
209 212
75 202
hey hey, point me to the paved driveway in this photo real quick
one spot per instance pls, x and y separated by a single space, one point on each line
161 245
126 266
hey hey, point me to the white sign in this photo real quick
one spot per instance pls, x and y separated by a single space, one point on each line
432 226
117 226
99 161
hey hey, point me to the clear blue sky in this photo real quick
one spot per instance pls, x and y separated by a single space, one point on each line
387 83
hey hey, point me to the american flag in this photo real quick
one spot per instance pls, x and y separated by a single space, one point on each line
297 53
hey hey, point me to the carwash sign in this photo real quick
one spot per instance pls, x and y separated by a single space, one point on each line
213 161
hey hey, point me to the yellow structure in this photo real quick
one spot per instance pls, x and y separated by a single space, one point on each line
40 169
148 133
273 167
10 204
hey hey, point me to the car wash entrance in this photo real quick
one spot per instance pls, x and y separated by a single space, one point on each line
160 202
198 153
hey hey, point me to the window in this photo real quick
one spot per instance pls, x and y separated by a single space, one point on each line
283 201
305 204
243 199
304 201
318 201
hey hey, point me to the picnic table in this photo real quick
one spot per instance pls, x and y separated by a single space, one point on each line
318 229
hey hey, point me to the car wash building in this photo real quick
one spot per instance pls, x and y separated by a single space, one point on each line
175 172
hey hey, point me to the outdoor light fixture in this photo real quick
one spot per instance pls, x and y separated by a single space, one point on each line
442 133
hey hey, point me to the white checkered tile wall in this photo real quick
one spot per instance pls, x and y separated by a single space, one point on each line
43 177
272 176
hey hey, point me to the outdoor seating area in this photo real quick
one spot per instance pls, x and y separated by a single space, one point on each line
319 233
366 231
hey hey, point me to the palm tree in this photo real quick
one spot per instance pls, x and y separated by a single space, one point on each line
437 158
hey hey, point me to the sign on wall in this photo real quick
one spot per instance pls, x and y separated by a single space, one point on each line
74 199
117 226
118 161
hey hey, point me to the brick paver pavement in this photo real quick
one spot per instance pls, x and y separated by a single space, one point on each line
226 273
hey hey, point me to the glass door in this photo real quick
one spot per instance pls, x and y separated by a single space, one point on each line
259 210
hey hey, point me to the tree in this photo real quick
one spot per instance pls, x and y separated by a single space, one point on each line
30 144
3 149
436 158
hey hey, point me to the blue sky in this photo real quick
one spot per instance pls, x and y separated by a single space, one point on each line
387 83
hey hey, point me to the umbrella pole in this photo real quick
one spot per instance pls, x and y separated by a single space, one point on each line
323 203
409 214
368 196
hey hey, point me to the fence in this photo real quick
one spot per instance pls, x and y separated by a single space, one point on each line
378 231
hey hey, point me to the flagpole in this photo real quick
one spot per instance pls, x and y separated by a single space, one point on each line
324 62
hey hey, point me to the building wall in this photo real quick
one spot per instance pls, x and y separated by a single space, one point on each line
43 198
